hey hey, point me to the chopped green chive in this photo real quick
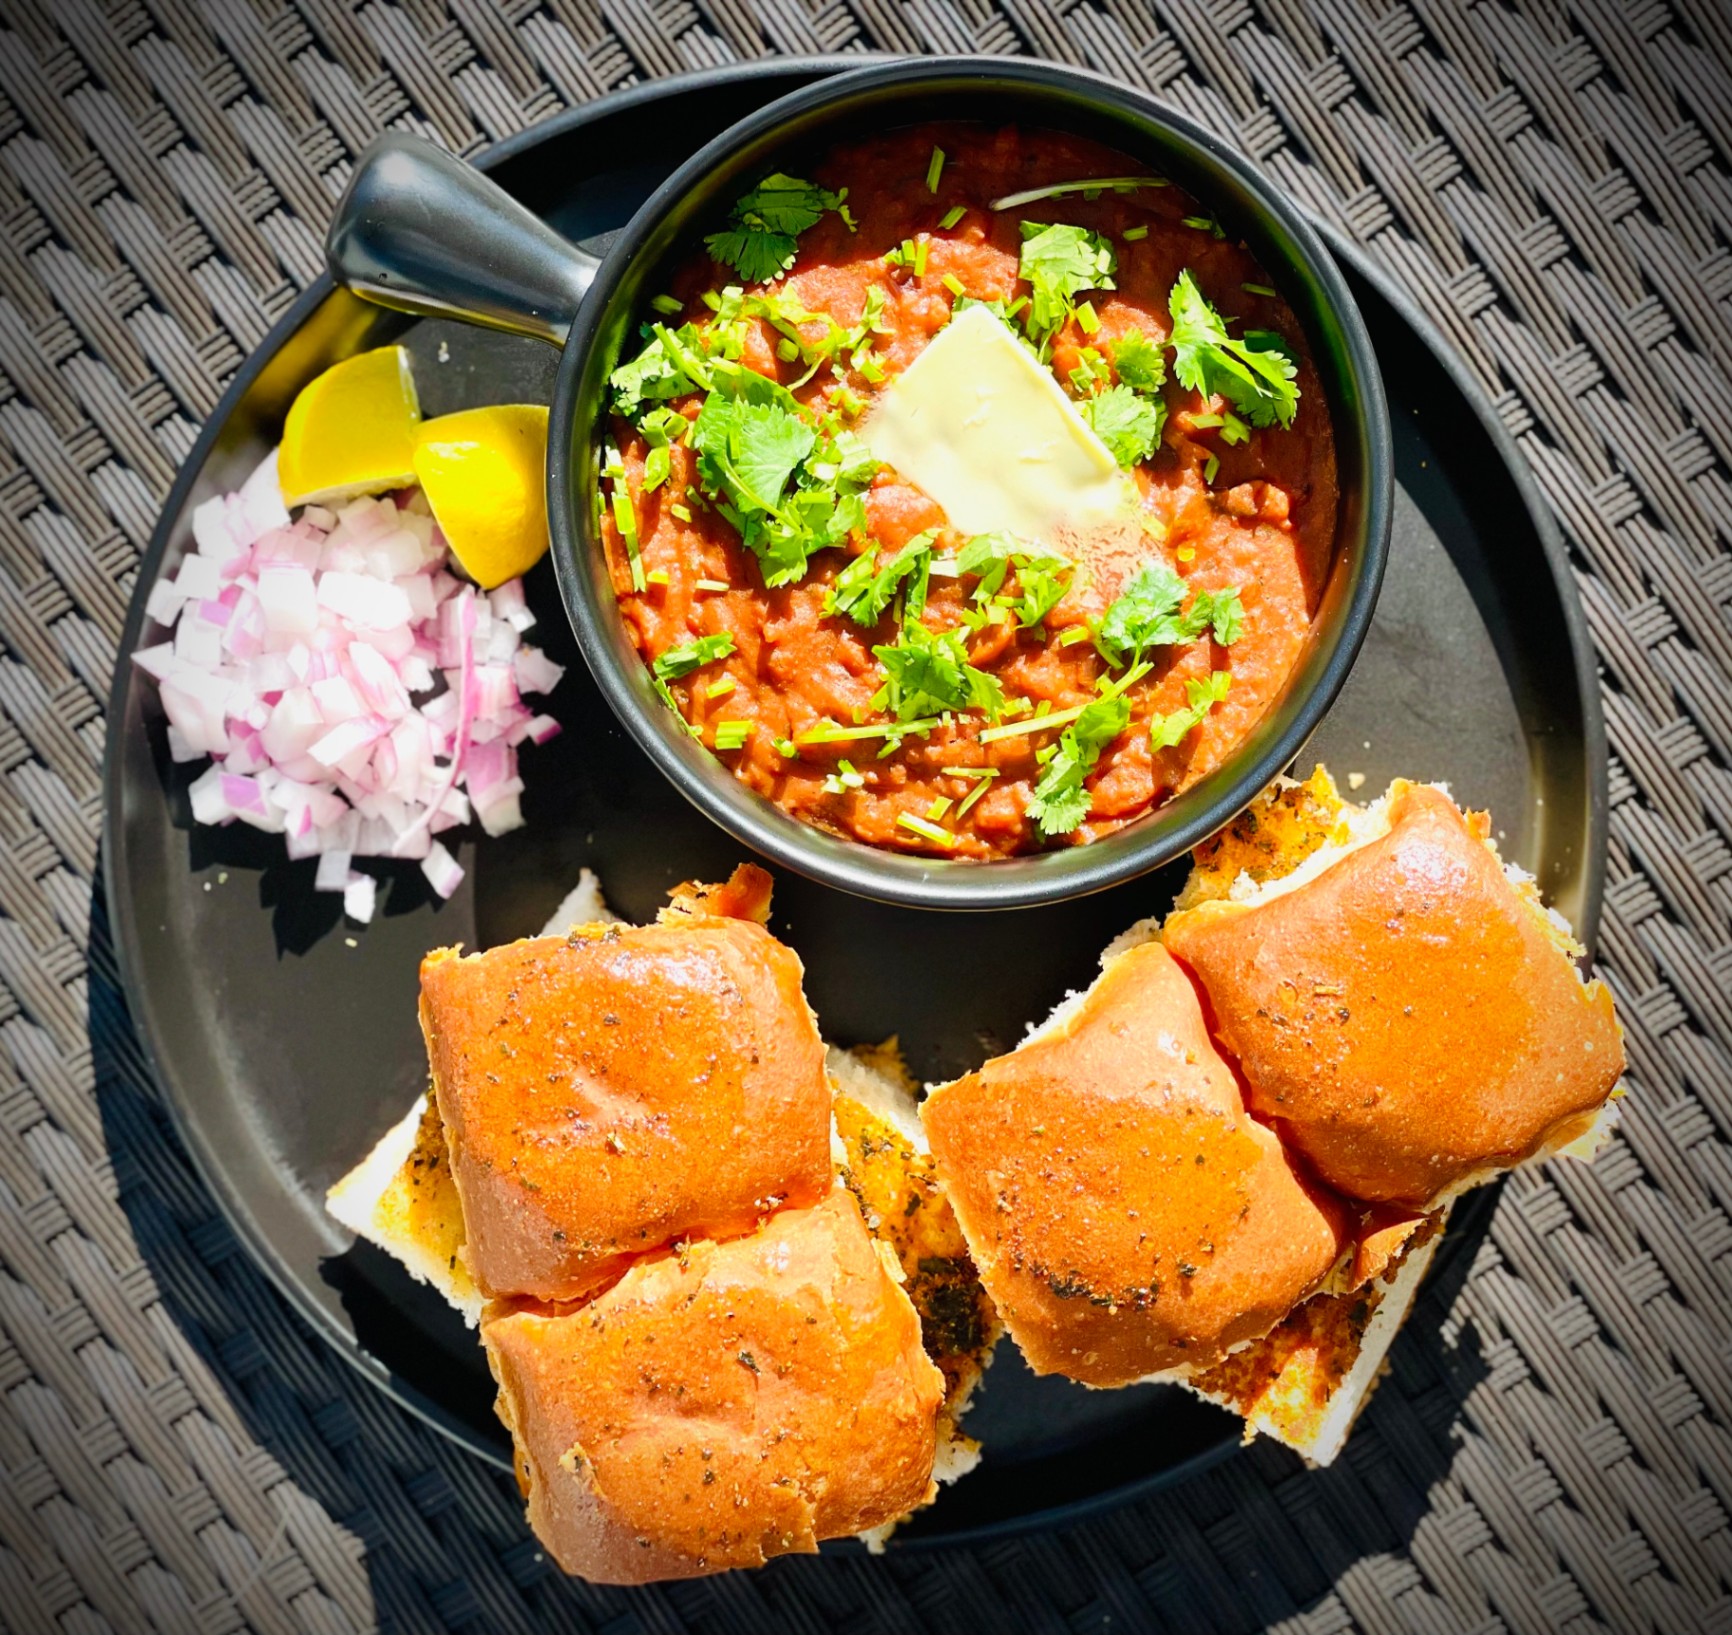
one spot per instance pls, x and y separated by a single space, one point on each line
658 577
665 304
1205 224
719 689
1038 722
684 515
940 805
1211 467
785 748
1256 289
920 258
1087 319
788 351
713 584
831 732
732 734
975 793
927 831
844 778
952 216
1076 633
1093 187
969 771
934 169
954 285
688 656
1204 422
1131 234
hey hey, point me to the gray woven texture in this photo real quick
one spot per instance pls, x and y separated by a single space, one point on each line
1551 181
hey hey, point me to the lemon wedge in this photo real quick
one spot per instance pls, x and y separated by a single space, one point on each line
484 472
351 431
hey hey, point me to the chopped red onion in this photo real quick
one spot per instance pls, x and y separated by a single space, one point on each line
357 697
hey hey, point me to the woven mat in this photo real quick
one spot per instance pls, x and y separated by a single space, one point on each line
1553 1452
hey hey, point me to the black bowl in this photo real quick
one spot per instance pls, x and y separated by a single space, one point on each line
418 231
786 134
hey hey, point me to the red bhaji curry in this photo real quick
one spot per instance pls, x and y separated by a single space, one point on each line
804 677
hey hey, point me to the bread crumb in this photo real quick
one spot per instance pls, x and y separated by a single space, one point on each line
1355 780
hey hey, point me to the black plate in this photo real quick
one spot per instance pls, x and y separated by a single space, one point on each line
285 1045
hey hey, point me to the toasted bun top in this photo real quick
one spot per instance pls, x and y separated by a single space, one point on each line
1406 1018
607 1092
722 1405
1127 1215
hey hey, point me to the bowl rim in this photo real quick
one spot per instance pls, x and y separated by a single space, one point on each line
908 879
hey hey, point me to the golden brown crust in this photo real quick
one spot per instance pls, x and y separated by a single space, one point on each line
899 1195
607 1092
722 1404
1405 1019
744 895
1126 1214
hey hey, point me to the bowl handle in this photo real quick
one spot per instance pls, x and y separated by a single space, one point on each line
419 231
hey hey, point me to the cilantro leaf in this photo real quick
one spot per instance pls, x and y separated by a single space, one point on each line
863 591
688 656
670 365
1139 362
927 672
759 241
1060 801
1255 374
988 557
1129 425
1042 579
1041 583
1143 613
749 450
1220 612
1146 614
1168 731
1060 262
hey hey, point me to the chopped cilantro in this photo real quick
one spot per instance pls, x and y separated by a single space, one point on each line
927 672
763 227
1129 424
1089 374
1060 262
1138 362
1167 731
1146 614
688 656
1254 373
1060 801
863 591
1042 578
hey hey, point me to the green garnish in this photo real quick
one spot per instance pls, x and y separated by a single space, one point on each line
1090 373
833 732
688 656
844 778
1060 802
1091 188
789 489
926 830
719 689
1128 423
952 216
927 673
1146 614
732 734
863 591
1205 224
1042 578
1131 234
1138 362
1168 731
934 169
665 304
954 284
985 775
940 805
1254 373
1060 262
1087 319
624 515
1257 289
1211 468
760 239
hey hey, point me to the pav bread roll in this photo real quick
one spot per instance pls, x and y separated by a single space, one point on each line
722 1403
606 1092
1128 1218
1408 1019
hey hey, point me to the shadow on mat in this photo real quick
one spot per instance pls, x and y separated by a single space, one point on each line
1250 1541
